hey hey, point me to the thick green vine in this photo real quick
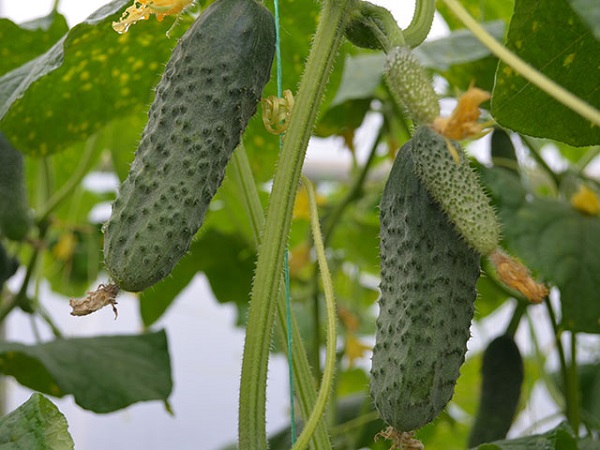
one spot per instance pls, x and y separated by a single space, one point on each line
303 381
328 38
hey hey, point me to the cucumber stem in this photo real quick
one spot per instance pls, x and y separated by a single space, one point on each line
330 357
528 72
420 25
327 40
67 188
303 380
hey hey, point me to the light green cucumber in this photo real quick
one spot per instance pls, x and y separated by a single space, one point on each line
428 278
411 86
209 91
15 215
455 186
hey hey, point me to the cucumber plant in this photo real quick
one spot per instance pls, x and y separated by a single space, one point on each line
434 222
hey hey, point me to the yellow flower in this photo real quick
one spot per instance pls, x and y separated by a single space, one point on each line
516 276
462 123
586 201
142 9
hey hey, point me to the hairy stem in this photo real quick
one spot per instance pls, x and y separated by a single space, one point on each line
303 381
328 38
330 359
420 25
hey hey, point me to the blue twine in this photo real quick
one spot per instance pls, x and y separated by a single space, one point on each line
288 306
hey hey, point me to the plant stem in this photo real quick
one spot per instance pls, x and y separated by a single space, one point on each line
572 389
354 192
66 189
330 358
420 25
20 298
328 38
528 72
516 318
570 402
304 382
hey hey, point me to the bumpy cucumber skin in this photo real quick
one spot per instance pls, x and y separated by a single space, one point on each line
411 86
457 189
428 278
15 216
209 91
502 377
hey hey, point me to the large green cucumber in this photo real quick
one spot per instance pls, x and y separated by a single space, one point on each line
428 278
455 186
209 91
15 216
502 377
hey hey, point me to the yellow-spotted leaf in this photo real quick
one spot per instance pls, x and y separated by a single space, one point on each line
89 77
551 37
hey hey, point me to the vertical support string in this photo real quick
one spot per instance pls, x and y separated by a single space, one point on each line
286 266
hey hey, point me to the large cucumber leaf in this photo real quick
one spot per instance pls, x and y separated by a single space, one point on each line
226 259
560 438
551 37
103 373
35 425
21 43
556 241
88 78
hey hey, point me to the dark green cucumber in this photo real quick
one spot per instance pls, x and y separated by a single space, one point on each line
455 186
8 266
209 91
428 278
502 377
15 216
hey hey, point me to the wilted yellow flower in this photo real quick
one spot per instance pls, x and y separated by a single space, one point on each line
516 276
142 9
463 122
586 201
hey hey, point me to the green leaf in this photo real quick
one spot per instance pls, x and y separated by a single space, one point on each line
90 77
481 11
103 374
225 258
555 240
560 438
21 43
551 37
360 80
589 12
459 47
35 425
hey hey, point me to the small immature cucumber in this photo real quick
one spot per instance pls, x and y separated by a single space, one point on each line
428 278
455 186
209 91
502 377
15 216
411 86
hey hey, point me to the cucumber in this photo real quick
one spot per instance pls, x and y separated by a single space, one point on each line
411 86
502 377
209 91
428 278
8 266
15 215
455 186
